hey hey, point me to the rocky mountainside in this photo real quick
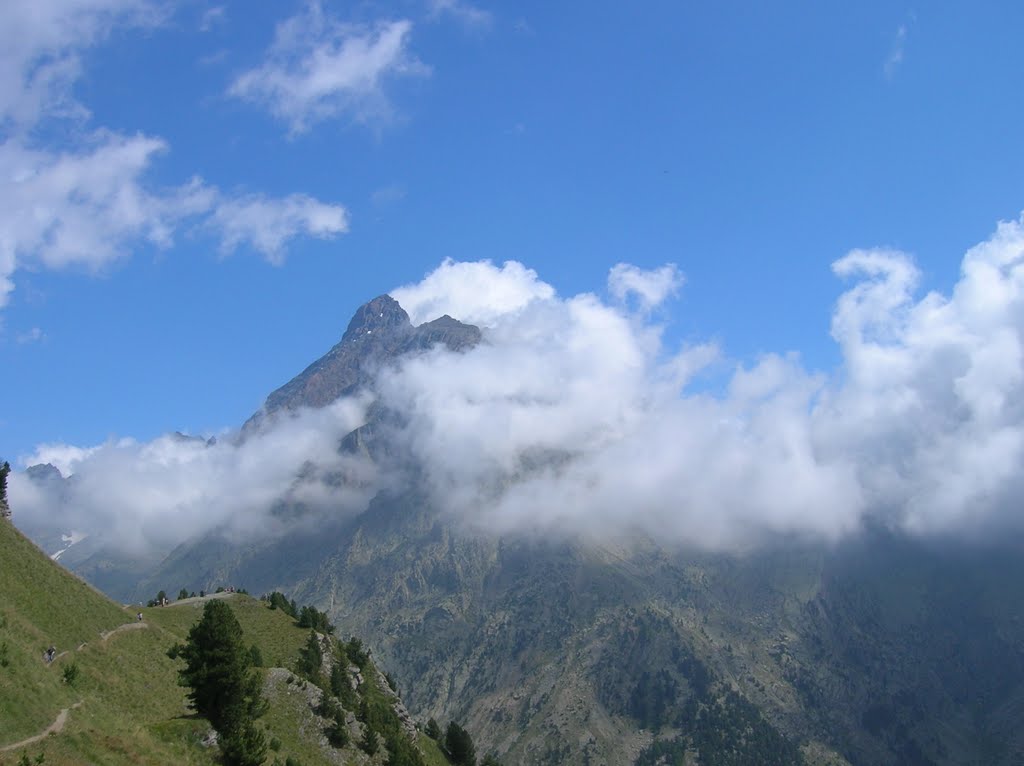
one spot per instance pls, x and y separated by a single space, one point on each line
379 332
880 651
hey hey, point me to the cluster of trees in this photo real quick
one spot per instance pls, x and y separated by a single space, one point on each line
278 600
224 685
725 731
369 704
309 617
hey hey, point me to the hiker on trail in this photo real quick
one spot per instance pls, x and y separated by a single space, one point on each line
51 653
139 615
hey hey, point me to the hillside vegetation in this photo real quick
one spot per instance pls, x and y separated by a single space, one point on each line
111 694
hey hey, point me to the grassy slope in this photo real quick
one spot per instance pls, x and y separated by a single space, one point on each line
130 708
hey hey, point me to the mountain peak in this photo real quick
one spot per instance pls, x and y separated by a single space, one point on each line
380 331
382 313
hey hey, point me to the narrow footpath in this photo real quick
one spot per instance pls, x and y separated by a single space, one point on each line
58 725
53 728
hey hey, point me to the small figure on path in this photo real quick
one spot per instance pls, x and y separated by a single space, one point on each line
139 615
50 654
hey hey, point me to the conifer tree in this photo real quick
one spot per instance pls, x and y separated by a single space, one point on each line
5 469
311 657
459 745
225 690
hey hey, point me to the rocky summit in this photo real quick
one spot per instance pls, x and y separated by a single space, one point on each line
379 332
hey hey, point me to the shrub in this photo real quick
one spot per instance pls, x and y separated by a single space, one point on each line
370 743
71 673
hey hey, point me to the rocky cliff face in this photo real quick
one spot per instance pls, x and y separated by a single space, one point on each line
379 332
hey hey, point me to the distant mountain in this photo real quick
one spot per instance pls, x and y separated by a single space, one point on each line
379 332
881 650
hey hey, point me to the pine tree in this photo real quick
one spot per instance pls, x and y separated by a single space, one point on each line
224 688
370 742
311 657
459 745
245 747
5 469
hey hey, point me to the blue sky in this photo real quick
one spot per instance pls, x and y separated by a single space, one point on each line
240 225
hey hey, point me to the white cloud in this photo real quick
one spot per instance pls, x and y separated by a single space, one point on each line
465 13
930 403
89 207
83 207
895 57
40 44
651 288
164 491
477 293
318 69
88 202
572 417
267 224
64 457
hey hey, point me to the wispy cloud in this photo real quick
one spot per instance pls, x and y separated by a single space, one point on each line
267 224
35 335
649 287
173 487
83 207
212 17
319 69
89 202
90 207
895 57
461 11
40 48
388 195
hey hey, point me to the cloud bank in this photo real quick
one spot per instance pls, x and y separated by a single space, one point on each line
574 417
139 495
